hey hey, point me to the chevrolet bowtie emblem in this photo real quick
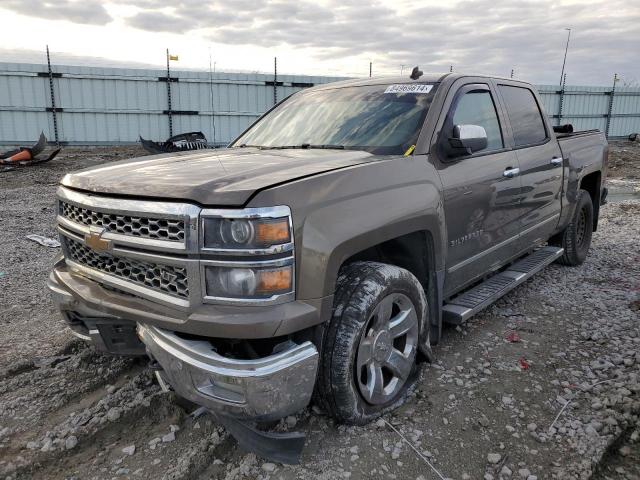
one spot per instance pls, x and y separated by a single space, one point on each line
94 240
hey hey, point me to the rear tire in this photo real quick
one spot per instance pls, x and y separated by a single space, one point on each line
576 238
369 350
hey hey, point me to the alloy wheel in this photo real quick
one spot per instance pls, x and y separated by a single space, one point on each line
387 349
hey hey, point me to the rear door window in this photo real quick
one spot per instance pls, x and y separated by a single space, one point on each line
477 108
524 115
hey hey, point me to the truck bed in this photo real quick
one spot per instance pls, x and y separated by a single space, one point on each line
560 135
582 148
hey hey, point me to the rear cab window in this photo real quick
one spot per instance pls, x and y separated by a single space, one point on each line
524 114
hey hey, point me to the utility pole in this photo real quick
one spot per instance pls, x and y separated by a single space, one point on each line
566 49
370 68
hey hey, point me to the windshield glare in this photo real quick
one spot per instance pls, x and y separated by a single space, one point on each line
358 118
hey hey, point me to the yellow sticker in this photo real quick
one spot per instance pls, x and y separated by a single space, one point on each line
409 150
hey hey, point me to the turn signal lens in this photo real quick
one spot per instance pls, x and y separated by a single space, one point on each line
273 232
274 281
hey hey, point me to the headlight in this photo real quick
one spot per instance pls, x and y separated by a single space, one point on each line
248 282
247 256
268 230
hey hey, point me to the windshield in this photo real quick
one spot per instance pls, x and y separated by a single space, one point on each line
381 119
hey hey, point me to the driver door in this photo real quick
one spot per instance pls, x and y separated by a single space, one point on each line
481 190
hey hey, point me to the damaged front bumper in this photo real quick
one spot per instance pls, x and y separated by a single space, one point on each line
266 388
261 389
108 333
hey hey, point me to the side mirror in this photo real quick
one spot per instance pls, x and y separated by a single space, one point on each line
467 139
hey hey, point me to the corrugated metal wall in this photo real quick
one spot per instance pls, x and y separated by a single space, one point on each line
116 105
594 107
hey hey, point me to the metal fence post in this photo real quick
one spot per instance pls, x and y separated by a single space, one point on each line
275 80
561 106
610 110
53 100
169 96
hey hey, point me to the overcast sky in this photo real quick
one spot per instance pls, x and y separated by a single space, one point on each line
337 37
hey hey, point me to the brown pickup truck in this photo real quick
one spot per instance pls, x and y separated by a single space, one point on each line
322 251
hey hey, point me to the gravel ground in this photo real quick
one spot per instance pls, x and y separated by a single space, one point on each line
544 384
623 162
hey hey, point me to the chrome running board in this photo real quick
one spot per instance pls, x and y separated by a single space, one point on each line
464 306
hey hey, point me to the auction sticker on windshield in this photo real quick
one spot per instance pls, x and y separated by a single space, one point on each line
409 88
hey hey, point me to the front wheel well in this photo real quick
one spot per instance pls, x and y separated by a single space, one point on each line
414 252
410 251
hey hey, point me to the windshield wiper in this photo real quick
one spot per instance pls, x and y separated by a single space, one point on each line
329 147
303 146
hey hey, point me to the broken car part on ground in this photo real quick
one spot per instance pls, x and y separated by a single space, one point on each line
178 143
25 156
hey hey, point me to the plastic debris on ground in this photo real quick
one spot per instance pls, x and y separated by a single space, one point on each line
44 241
178 143
26 156
513 337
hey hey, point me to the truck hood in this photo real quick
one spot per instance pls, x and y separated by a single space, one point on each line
225 177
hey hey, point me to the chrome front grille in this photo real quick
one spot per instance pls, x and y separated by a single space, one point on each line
132 225
165 278
151 248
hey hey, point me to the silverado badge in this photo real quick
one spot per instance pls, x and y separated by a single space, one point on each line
94 240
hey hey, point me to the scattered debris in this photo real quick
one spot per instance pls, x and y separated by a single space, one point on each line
25 156
513 337
44 241
524 365
178 143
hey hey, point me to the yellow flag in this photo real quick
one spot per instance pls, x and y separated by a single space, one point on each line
173 57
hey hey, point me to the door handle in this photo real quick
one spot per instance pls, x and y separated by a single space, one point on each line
556 161
511 172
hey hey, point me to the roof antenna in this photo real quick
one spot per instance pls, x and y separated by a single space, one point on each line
416 73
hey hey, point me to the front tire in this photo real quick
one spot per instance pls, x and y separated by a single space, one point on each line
576 238
370 346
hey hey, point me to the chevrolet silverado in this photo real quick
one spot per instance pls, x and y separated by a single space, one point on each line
320 253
